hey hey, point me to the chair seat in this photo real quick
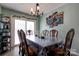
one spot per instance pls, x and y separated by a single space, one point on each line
58 51
32 51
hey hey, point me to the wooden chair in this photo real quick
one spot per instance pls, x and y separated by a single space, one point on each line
20 45
45 33
54 33
21 42
26 49
67 46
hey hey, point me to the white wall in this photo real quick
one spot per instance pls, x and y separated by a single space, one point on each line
71 20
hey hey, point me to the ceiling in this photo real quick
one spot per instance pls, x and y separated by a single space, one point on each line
25 7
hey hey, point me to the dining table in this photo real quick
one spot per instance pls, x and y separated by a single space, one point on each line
42 42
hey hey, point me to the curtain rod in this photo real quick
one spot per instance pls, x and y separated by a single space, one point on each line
25 17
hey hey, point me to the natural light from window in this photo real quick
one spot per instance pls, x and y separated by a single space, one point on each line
19 24
30 26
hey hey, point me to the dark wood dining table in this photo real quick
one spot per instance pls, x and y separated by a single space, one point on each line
41 43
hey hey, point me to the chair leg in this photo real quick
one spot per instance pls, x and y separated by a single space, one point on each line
69 54
19 50
23 52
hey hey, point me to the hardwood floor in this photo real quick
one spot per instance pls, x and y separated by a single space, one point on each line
13 52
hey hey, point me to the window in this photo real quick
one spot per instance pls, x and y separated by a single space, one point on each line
30 26
19 24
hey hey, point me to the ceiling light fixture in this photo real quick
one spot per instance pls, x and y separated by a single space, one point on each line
36 12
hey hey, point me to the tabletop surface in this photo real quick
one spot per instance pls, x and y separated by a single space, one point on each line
43 42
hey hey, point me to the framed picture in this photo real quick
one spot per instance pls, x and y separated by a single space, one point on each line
55 19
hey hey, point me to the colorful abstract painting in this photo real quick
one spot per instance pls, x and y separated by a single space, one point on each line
55 19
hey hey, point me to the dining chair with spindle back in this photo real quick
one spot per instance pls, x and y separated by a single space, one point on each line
67 46
54 33
20 40
45 33
27 50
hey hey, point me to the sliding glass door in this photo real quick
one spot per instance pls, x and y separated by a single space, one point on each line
25 26
30 26
19 24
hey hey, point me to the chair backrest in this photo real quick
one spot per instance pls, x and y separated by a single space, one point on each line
54 33
68 40
25 46
19 36
45 33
